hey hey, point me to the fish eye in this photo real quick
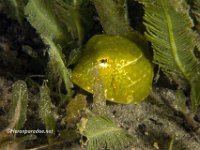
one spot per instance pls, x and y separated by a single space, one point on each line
104 60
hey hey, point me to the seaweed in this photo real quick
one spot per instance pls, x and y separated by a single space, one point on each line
172 29
173 42
18 107
113 18
45 111
17 118
102 132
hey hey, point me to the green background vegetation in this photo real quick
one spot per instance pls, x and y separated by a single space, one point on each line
41 42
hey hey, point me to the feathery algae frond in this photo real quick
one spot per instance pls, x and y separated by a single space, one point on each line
57 64
102 132
75 16
196 11
113 16
18 106
172 39
45 110
41 15
169 29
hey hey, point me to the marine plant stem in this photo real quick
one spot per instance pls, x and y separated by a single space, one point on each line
113 16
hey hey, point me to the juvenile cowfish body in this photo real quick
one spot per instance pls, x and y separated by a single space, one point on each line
125 72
